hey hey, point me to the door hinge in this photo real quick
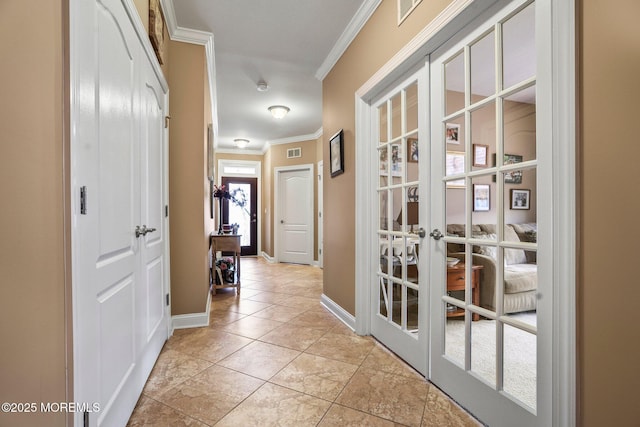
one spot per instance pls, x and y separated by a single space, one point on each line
166 211
83 200
166 121
86 419
167 299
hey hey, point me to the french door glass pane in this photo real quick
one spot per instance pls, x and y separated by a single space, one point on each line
519 47
520 366
454 84
483 76
483 350
520 124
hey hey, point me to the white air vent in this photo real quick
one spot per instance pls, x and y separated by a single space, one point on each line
292 153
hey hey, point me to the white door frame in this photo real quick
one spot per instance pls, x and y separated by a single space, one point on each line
276 208
320 214
258 174
561 38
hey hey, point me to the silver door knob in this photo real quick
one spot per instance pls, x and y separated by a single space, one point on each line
422 232
436 234
139 232
150 229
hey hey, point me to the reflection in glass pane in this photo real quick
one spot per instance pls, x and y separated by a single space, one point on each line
384 137
413 155
398 257
240 210
412 309
396 211
519 47
520 356
454 84
384 221
454 340
413 254
412 107
454 133
483 135
483 65
396 116
456 279
520 123
397 162
483 350
484 214
455 208
409 219
384 254
383 166
384 297
396 307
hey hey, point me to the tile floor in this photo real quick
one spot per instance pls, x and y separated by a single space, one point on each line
275 357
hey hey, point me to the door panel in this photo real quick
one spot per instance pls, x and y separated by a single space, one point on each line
295 211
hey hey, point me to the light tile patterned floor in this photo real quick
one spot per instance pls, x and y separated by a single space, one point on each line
273 356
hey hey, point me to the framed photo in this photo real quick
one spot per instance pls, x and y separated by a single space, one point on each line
452 133
520 199
412 149
336 153
512 177
454 166
384 161
481 197
480 155
396 160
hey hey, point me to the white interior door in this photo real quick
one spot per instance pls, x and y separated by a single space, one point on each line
399 288
117 150
488 315
295 214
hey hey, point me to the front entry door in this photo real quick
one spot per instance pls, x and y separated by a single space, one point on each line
242 209
399 289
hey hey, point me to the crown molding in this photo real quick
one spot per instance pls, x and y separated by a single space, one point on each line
185 35
242 151
353 28
292 139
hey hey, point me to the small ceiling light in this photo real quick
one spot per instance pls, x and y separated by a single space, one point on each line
241 143
263 86
278 111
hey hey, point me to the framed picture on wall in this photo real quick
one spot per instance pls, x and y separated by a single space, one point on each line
454 166
511 177
156 29
480 155
336 153
481 197
520 199
452 133
396 160
412 150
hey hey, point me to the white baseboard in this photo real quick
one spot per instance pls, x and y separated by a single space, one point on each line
192 320
268 258
339 312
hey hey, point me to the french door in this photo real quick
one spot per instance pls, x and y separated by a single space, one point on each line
242 209
485 181
399 292
462 155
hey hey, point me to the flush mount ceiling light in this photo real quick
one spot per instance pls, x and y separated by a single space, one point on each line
263 86
278 111
241 143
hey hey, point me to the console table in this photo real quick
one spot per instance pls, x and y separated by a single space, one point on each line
226 243
455 282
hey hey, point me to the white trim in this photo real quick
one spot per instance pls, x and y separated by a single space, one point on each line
269 259
564 183
363 224
348 35
185 35
320 205
276 208
240 151
292 139
342 314
192 320
440 29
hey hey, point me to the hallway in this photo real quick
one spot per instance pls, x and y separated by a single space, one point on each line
276 356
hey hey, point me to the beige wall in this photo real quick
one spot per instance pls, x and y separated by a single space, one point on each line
609 336
188 200
378 41
34 286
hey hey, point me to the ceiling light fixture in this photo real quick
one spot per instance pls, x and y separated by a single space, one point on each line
241 143
263 86
278 111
